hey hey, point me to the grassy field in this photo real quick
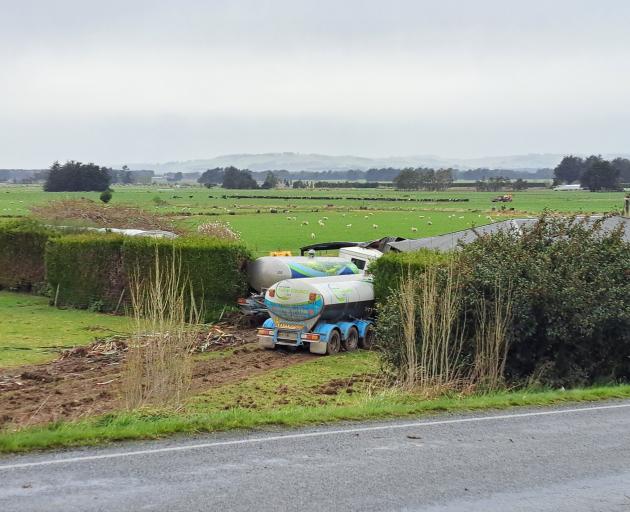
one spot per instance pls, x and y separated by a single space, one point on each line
264 231
33 332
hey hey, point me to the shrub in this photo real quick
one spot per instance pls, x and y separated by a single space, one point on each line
214 268
548 305
22 246
389 269
106 196
86 270
570 284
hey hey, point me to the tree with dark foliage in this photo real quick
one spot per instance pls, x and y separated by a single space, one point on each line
77 177
234 178
270 181
570 169
600 175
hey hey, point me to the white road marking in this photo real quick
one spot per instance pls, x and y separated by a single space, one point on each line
302 435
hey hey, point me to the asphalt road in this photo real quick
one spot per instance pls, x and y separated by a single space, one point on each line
553 459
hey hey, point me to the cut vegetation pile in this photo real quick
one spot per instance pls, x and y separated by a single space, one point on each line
85 212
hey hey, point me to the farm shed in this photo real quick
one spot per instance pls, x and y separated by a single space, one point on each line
451 241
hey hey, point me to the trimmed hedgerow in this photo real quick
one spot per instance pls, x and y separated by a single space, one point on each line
86 270
215 268
390 268
22 246
94 270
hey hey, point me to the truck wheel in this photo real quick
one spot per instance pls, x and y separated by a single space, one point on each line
368 339
352 340
334 343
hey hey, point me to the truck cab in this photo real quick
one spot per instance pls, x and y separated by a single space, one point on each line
360 256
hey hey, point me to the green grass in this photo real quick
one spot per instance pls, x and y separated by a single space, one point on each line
264 231
153 425
33 332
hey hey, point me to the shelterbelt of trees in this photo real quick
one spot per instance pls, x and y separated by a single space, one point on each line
593 172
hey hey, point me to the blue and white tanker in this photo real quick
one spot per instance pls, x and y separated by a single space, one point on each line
326 314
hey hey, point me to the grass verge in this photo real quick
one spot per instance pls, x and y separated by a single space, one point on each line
156 424
33 332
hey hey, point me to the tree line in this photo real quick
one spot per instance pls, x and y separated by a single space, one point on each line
593 172
424 179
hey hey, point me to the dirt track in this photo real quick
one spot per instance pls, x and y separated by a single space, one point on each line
85 382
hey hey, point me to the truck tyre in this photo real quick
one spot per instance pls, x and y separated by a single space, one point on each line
368 339
352 340
334 343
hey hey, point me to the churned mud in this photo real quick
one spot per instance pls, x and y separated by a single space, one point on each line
85 381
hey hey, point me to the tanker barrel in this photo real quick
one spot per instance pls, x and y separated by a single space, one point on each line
268 270
333 298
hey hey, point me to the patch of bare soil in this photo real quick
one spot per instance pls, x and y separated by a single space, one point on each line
85 381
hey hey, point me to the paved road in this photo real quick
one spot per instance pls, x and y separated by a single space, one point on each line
563 459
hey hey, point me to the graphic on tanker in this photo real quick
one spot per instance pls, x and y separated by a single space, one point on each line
329 298
292 303
268 270
321 268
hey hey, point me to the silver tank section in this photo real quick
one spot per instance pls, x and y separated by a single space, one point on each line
306 301
268 270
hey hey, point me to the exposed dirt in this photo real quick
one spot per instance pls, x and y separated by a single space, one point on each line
85 381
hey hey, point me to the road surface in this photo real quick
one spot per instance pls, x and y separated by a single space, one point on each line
573 458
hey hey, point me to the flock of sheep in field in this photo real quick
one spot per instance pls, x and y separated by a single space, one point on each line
414 229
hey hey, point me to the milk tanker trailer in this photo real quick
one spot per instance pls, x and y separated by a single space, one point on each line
326 314
266 271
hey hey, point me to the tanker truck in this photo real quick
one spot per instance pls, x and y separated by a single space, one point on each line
325 314
264 272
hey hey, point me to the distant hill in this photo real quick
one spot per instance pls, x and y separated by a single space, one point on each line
316 162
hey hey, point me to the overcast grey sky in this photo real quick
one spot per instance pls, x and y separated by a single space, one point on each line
122 81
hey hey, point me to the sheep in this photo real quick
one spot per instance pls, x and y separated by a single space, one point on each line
321 222
462 217
348 225
413 230
325 218
304 223
312 235
375 226
430 223
365 217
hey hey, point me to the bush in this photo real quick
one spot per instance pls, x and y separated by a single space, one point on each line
548 306
22 246
389 269
94 270
86 271
215 268
570 286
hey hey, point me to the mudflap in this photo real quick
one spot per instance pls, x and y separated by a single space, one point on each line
317 347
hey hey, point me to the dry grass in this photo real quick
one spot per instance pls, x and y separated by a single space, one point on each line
221 230
158 370
87 212
432 334
491 339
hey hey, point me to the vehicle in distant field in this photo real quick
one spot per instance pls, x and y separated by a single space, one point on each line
507 198
325 314
568 188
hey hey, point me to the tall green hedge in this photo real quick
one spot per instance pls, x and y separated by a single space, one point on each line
22 246
94 270
389 268
215 268
86 270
